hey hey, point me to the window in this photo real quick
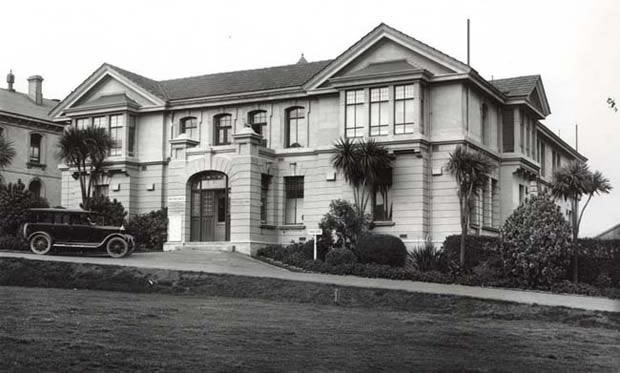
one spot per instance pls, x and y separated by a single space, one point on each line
258 120
223 129
294 204
221 208
543 168
131 134
379 111
189 127
484 113
487 204
115 130
521 133
264 195
102 190
354 114
35 188
99 122
528 135
82 123
35 148
295 128
521 193
382 201
474 213
403 109
1 131
555 161
495 204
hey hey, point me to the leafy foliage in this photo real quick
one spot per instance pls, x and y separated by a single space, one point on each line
536 245
12 243
342 225
478 249
112 211
340 255
363 164
15 199
470 169
427 258
149 230
85 150
7 152
322 247
381 249
599 262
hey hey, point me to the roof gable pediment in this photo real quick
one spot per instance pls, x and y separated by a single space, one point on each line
386 50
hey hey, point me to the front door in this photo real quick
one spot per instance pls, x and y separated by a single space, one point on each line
209 207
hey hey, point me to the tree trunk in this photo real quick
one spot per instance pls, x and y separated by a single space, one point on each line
575 243
463 233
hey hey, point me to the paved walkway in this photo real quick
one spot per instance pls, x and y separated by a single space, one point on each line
239 264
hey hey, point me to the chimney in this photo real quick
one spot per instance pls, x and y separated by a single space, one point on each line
10 79
35 92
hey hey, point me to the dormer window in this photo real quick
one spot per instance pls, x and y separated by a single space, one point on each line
223 129
404 109
258 120
355 117
189 127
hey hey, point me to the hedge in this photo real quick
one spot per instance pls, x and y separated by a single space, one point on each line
381 249
599 262
478 249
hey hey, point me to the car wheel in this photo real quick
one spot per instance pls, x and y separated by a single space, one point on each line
117 247
40 244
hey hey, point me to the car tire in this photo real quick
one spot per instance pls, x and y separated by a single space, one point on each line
40 244
117 247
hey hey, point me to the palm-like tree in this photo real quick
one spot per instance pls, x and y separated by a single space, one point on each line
571 183
85 150
470 170
7 153
364 164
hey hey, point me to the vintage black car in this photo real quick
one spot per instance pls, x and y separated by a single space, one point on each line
48 228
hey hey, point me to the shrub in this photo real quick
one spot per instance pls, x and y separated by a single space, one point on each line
340 255
112 211
15 199
150 230
12 243
428 258
477 249
343 222
599 261
536 246
381 249
569 287
322 248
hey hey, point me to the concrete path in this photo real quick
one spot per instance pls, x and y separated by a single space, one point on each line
239 264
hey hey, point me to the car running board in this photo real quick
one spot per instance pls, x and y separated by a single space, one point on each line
89 246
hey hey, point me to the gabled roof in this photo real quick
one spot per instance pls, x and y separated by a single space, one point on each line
242 81
610 230
385 67
109 100
517 86
148 84
21 104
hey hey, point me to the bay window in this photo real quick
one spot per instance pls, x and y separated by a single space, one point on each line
404 109
115 129
355 115
379 111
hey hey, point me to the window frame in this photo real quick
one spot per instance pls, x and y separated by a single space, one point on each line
379 103
32 157
299 120
116 133
292 194
225 129
257 125
183 127
357 105
403 101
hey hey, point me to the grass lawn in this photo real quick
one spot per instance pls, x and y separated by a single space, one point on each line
86 330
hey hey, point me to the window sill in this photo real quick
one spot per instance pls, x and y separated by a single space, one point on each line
287 227
383 223
490 229
268 226
35 165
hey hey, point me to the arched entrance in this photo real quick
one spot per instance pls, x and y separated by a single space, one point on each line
35 187
209 207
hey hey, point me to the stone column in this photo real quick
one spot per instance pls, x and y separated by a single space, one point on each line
245 189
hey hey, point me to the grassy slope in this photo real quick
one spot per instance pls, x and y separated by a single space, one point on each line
239 323
82 330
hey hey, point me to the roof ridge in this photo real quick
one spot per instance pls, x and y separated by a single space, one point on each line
242 71
127 72
517 77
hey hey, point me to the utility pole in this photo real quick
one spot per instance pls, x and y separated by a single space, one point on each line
468 42
576 137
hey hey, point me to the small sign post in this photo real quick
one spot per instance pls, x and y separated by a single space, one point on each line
314 233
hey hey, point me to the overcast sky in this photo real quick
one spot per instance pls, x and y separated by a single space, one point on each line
572 44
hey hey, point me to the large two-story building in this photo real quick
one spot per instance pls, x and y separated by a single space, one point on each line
25 121
243 158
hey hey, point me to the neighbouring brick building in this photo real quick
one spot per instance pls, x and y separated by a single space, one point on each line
25 120
243 158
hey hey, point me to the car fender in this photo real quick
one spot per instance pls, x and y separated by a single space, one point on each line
49 237
126 237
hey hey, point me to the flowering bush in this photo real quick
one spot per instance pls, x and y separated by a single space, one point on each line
536 247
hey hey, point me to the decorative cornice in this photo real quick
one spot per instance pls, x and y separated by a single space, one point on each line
24 121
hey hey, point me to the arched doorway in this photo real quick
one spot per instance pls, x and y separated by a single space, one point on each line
35 187
209 207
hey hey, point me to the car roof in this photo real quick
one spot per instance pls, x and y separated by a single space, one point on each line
71 211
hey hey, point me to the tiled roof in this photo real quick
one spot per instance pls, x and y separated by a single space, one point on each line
20 103
517 86
149 84
242 81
